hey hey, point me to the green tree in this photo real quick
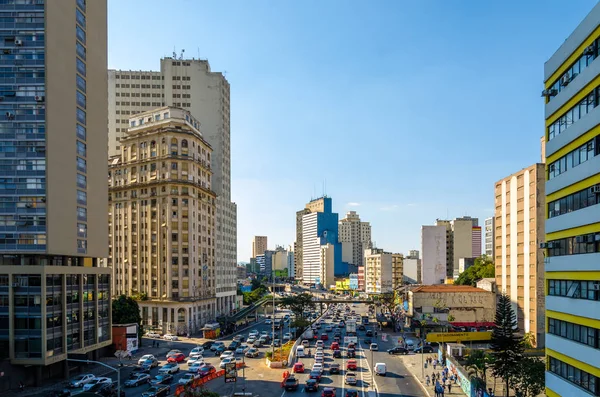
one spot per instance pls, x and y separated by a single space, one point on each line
125 310
482 268
529 340
529 377
201 391
507 348
299 304
477 362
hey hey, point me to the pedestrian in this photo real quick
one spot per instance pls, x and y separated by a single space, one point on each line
449 388
130 356
427 380
434 364
490 392
21 386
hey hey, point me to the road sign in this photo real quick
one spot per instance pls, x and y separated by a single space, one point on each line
350 339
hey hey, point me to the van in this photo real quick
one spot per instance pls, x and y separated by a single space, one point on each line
300 351
380 369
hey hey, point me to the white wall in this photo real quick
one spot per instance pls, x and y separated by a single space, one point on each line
433 249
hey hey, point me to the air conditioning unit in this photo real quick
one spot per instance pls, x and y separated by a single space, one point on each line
19 42
595 189
543 245
590 50
565 80
550 92
40 98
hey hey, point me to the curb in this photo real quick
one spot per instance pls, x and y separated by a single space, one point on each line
421 384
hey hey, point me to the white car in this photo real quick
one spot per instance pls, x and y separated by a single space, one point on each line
243 348
188 378
305 343
319 359
196 366
81 380
146 357
95 381
317 367
226 354
196 352
226 361
268 321
169 368
195 360
320 343
170 337
253 334
151 334
251 340
287 336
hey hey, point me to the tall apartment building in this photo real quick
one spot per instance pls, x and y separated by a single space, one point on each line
383 271
397 271
489 239
55 294
162 221
572 91
463 240
519 221
189 84
355 237
433 247
291 262
259 245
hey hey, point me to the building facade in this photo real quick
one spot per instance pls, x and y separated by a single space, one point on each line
192 85
433 248
397 271
322 204
55 292
361 277
411 270
355 237
489 240
291 262
519 262
242 273
463 240
259 245
379 271
413 254
572 227
162 222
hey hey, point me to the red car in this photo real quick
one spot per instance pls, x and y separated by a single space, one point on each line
328 392
324 337
176 358
335 346
351 365
298 368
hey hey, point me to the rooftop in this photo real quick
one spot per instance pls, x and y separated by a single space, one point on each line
448 288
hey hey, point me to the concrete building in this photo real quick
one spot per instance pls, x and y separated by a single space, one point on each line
317 205
463 240
413 254
241 273
573 212
468 306
433 249
327 264
465 263
519 262
397 271
378 271
291 262
476 242
268 263
161 222
361 278
488 284
411 270
54 290
189 84
280 262
260 264
355 237
489 240
259 245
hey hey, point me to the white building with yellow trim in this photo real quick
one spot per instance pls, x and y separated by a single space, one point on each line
572 264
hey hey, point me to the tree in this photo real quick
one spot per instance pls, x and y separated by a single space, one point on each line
388 301
529 377
125 310
201 391
507 348
299 304
482 268
529 340
477 362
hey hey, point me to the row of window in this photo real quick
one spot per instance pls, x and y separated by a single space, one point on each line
582 244
142 86
81 127
573 202
574 114
139 95
575 375
138 104
583 153
139 77
575 332
575 289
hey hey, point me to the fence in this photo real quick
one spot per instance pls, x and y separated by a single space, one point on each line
468 384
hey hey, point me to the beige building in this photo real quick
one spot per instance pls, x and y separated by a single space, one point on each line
259 245
463 240
380 269
519 222
280 258
355 237
327 264
192 85
397 271
460 305
162 220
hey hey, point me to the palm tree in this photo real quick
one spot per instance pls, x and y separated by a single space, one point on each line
477 362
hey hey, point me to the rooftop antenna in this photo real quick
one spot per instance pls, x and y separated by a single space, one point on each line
181 56
174 53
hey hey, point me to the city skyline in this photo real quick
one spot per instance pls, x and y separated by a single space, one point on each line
306 83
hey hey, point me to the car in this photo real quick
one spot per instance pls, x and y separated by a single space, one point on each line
58 393
104 389
351 353
216 345
287 336
161 379
350 378
206 370
369 333
172 353
208 344
305 343
337 354
351 393
324 337
351 365
151 334
336 339
311 385
170 337
226 361
157 391
148 365
268 322
257 343
220 349
316 375
225 354
251 340
328 328
398 350
319 359
252 352
195 360
196 366
334 368
425 349
176 358
276 342
188 378
233 345
320 343
197 351
81 380
290 383
95 381
317 367
335 346
146 357
298 368
169 368
253 334
137 379
374 347
328 392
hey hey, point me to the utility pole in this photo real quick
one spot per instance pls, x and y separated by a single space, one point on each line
117 370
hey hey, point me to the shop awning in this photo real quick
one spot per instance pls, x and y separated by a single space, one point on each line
479 324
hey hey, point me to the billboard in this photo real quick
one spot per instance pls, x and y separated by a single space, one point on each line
230 372
459 336
246 288
353 278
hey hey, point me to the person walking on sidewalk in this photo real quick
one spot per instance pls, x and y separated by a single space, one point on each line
427 380
449 387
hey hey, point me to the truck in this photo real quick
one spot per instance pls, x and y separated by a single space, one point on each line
351 328
309 334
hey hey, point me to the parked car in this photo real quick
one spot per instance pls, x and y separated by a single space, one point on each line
291 383
137 379
398 350
170 337
152 334
169 368
162 379
58 393
157 391
81 380
425 349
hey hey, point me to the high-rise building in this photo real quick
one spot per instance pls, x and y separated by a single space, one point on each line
476 242
378 271
161 220
463 240
397 271
55 291
355 237
242 273
291 262
489 237
433 247
189 84
259 245
572 264
321 204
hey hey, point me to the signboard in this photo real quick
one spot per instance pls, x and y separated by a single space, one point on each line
246 288
353 281
230 372
350 339
459 336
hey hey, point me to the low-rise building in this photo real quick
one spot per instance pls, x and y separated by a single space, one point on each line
488 284
241 273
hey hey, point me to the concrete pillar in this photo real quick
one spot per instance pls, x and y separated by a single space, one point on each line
38 375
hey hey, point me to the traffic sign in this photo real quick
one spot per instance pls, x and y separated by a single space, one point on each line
350 339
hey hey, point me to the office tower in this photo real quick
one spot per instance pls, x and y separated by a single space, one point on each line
463 240
489 239
355 237
433 247
161 220
475 241
572 228
242 273
261 264
259 245
54 229
189 84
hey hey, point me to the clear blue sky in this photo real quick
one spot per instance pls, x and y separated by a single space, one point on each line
410 110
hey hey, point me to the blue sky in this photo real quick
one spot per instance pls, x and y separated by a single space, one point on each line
409 110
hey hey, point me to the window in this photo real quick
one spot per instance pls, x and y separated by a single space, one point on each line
81 83
81 213
81 116
81 51
573 202
575 375
80 18
82 230
80 34
574 158
81 4
81 165
81 67
585 106
81 197
575 289
81 181
81 101
81 149
81 132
